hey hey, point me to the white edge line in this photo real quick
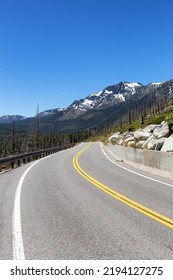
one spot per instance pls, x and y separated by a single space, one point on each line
17 238
136 173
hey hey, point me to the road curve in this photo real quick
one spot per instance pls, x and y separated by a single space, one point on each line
65 215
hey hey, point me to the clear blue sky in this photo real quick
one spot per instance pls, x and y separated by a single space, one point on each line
53 52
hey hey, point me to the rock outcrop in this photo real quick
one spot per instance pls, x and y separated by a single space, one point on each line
152 137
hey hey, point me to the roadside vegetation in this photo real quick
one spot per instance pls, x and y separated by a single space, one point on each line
156 118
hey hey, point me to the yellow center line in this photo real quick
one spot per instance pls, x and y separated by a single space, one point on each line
131 203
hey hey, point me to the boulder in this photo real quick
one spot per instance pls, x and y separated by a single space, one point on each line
141 135
152 137
114 136
150 128
146 143
139 144
129 139
152 144
131 144
161 130
168 145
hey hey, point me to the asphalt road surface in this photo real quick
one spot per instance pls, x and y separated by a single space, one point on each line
83 204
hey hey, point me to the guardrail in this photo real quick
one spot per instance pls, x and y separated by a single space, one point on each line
17 160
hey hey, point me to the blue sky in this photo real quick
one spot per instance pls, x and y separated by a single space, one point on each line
53 52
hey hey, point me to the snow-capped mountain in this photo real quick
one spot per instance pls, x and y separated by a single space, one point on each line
102 107
50 112
11 118
122 93
109 96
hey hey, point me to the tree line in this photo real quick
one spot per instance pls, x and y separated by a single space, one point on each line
17 140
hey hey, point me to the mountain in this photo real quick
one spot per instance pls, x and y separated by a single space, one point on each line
11 118
109 96
109 105
112 96
50 112
120 102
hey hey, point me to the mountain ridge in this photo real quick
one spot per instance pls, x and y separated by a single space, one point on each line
11 118
108 97
105 106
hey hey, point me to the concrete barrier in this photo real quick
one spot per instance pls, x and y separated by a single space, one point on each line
160 160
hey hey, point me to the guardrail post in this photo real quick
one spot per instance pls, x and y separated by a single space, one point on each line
7 166
12 164
18 162
0 167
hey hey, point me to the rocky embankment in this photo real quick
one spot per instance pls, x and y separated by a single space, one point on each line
152 137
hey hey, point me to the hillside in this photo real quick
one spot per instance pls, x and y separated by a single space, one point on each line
107 106
115 106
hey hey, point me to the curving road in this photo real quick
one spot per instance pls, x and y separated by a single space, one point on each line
83 204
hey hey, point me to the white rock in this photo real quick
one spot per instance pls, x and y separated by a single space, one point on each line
114 136
150 128
141 135
131 138
152 137
131 144
151 145
168 145
139 144
145 145
161 130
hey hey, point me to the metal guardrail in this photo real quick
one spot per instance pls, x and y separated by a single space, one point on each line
15 161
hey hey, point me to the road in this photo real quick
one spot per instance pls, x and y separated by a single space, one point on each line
82 204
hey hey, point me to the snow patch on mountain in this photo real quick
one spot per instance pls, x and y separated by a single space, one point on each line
87 102
108 91
50 112
97 93
120 97
133 85
157 84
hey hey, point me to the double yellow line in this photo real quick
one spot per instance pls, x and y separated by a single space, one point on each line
131 203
